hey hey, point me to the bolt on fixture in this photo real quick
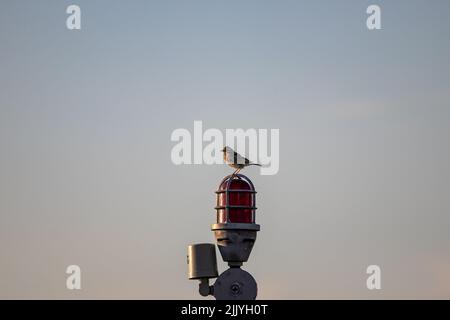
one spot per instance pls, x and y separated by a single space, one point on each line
235 233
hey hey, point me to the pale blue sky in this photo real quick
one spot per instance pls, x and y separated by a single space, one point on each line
86 118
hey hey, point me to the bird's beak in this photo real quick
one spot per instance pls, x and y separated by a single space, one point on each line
224 149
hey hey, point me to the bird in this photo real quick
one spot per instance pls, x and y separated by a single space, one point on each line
235 160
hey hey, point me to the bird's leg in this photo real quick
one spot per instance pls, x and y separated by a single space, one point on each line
236 172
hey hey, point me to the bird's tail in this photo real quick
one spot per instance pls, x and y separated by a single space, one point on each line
255 164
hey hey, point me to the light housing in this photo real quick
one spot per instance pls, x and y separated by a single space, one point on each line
235 230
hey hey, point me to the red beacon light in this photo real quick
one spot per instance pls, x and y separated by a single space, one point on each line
235 230
235 233
236 199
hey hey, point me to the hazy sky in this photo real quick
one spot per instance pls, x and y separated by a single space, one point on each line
86 117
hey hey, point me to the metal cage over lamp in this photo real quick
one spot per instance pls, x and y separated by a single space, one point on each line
236 199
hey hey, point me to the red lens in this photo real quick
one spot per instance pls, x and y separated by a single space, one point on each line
241 201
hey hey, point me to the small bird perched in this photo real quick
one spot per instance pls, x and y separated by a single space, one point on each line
235 160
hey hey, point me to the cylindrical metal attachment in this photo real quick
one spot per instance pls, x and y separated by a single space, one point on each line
202 261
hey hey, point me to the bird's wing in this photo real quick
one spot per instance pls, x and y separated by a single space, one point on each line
238 159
